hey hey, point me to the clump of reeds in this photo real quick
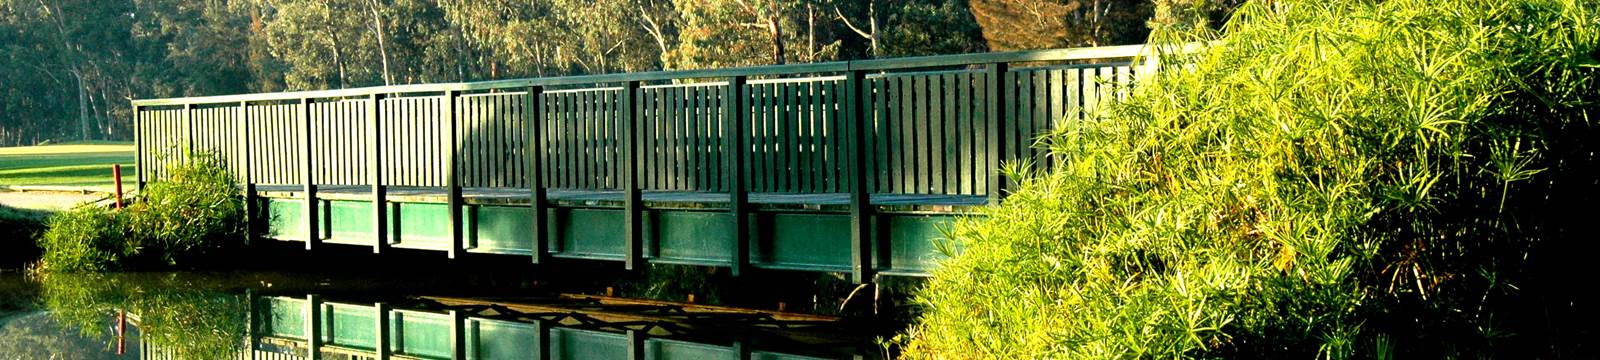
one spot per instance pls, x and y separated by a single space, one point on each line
1323 179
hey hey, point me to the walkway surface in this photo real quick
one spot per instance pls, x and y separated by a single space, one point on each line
46 200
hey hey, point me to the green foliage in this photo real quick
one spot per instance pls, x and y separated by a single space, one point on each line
932 28
193 213
1325 179
725 33
88 238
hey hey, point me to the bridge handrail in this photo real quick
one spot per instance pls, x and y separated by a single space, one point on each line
1069 54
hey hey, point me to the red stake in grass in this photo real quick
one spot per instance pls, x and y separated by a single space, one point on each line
116 177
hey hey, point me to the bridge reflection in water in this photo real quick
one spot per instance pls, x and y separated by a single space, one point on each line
567 327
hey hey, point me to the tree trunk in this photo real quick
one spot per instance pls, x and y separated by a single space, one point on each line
777 37
811 33
383 51
538 58
461 53
338 55
83 106
872 24
654 29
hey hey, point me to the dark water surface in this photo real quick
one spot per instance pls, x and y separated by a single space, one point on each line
219 315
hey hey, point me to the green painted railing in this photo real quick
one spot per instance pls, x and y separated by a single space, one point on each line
938 125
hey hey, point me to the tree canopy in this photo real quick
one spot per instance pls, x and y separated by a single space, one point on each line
73 65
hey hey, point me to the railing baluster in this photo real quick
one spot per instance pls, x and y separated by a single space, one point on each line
995 75
951 139
966 136
935 121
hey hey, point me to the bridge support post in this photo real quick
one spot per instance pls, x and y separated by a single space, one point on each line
453 172
533 174
734 149
246 176
861 240
138 146
375 166
307 180
634 207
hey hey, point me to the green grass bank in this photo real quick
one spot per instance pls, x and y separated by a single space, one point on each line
82 165
1324 179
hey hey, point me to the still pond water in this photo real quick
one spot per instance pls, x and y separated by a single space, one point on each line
267 314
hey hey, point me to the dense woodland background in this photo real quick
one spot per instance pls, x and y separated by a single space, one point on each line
72 66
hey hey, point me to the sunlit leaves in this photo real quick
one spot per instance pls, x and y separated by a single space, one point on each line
1328 179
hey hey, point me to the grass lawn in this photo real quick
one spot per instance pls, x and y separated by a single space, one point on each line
86 165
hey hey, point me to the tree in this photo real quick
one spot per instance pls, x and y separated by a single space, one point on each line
1044 24
68 52
720 33
320 42
932 28
74 64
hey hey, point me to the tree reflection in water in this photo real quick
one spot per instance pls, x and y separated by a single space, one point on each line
193 317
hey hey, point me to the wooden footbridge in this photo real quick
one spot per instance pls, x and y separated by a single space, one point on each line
848 166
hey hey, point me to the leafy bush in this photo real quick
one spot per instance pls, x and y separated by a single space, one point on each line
195 212
1323 178
88 238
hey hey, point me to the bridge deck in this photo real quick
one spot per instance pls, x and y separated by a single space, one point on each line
676 200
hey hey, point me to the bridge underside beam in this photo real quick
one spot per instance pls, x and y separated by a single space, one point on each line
807 232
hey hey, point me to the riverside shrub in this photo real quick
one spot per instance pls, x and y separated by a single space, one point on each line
88 238
196 211
1326 179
